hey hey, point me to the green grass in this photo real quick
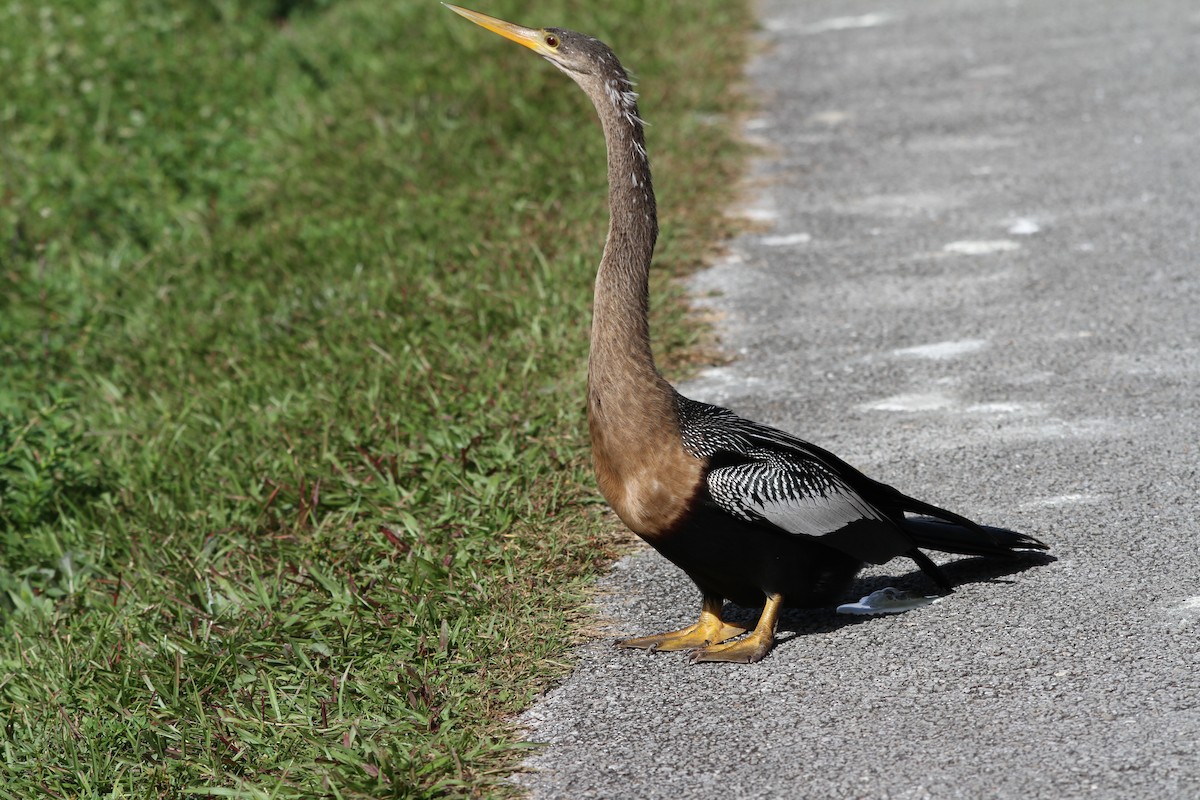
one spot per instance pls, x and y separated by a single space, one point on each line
294 498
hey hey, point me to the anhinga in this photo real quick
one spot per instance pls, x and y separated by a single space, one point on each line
752 514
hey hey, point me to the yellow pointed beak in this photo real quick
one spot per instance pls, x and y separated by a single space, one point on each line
529 37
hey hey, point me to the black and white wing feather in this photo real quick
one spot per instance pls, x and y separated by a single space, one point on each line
795 496
765 476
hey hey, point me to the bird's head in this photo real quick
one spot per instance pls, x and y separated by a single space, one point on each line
591 64
582 57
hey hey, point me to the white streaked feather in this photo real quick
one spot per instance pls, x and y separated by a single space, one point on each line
806 499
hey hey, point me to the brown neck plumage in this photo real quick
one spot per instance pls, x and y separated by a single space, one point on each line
641 465
621 367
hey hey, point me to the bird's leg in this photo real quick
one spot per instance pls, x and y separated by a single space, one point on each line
752 648
709 629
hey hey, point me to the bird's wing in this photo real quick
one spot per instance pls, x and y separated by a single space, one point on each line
805 498
767 477
797 497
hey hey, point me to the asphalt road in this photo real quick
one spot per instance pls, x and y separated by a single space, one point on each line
977 279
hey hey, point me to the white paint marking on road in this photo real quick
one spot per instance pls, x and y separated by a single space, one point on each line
981 248
831 118
1189 606
872 20
901 205
1060 500
787 239
942 350
1024 226
942 144
758 213
1001 408
936 401
931 401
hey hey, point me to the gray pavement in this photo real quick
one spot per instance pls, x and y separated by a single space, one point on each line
978 280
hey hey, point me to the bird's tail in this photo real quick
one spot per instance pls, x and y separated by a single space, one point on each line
951 533
970 539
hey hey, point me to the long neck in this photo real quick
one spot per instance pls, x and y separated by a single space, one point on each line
641 465
621 366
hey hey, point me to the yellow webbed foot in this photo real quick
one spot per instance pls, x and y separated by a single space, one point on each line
710 629
689 638
743 651
752 648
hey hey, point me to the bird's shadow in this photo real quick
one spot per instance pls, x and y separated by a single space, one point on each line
796 622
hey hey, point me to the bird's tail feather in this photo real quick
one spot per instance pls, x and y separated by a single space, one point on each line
967 539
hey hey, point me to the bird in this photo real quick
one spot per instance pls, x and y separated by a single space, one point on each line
753 515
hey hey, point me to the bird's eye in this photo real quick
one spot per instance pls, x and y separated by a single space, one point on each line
551 40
